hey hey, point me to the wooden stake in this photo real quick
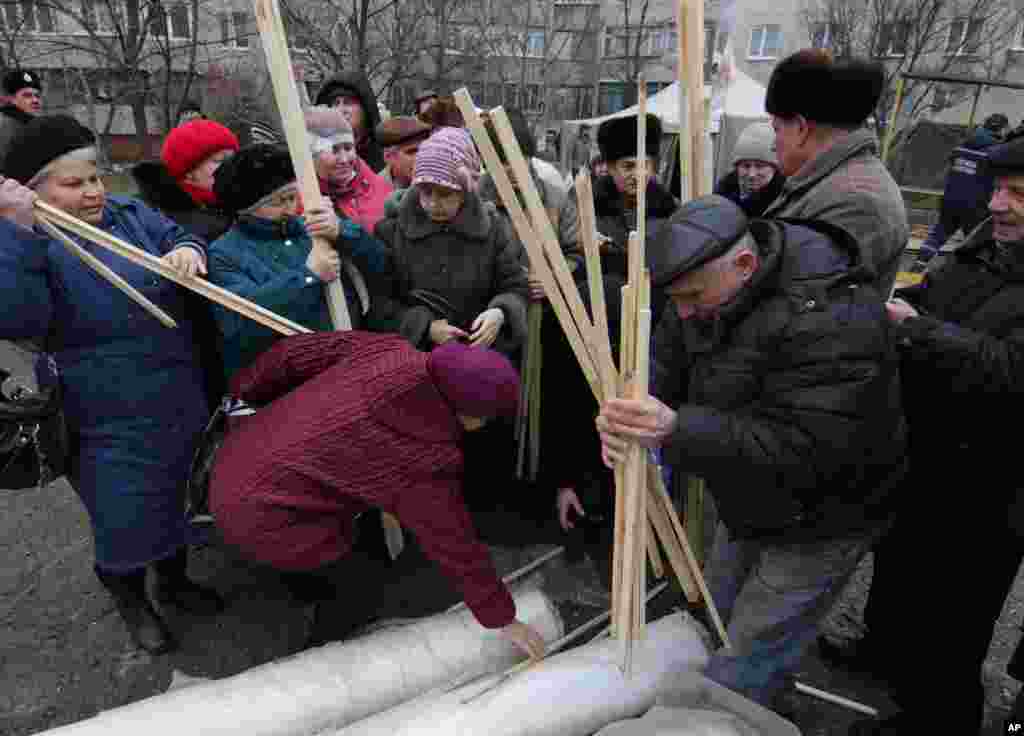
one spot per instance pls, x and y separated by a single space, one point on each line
279 65
641 160
691 561
150 262
653 553
530 239
659 517
683 73
104 271
542 226
595 279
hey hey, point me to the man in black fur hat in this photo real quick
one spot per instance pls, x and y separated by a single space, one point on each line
818 108
23 91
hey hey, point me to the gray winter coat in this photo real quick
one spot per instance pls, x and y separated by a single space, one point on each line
849 187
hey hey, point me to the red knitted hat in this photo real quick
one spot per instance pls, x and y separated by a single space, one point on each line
476 381
191 143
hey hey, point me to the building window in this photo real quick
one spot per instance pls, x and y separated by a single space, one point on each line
535 44
234 29
965 36
893 38
1017 43
180 26
715 40
765 41
823 35
27 16
99 16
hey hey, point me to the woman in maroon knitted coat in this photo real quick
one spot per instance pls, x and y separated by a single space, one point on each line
354 420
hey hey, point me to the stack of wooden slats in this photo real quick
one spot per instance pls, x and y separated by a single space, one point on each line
642 503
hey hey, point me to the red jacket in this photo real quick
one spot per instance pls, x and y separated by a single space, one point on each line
363 201
349 420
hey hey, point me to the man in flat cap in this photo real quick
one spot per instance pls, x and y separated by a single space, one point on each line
818 108
401 138
961 332
776 359
23 97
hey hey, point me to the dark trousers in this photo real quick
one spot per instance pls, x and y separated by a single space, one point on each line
941 576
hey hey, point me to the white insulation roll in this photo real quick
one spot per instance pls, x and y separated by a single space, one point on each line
571 694
331 686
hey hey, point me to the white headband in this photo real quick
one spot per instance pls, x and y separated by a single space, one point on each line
318 144
88 153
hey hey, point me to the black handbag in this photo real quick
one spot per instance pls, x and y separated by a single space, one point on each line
197 496
33 436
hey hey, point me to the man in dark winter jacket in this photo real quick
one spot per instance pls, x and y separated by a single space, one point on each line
777 358
962 336
353 94
24 91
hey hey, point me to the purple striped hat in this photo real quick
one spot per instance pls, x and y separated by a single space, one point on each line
448 158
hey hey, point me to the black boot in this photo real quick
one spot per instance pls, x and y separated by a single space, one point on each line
144 624
174 586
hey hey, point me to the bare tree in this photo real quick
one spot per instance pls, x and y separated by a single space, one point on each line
934 37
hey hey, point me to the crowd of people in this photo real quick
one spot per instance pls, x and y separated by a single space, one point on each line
828 414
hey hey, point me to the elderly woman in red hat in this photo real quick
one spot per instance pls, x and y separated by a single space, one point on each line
291 478
180 184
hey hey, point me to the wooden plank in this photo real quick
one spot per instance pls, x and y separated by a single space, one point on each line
152 263
289 105
546 233
641 159
691 562
666 534
530 239
654 552
683 73
105 272
595 279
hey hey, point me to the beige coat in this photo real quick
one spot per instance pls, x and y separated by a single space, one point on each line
848 186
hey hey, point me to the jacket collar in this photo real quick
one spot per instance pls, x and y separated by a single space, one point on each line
258 228
17 113
855 144
608 201
980 247
473 220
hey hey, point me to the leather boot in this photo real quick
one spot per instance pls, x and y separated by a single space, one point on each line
174 586
144 624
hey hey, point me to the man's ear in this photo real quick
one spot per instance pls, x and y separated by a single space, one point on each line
805 129
746 263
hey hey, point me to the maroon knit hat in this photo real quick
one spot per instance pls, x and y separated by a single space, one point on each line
448 158
191 143
476 381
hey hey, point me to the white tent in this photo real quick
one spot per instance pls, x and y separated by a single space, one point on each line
741 104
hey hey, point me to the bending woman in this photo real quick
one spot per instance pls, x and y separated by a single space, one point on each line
132 389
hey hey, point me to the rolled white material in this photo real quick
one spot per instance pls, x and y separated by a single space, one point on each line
329 687
571 694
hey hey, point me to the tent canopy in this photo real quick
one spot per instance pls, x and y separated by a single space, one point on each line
744 98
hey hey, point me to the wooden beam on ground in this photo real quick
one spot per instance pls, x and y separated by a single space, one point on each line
152 263
289 105
104 271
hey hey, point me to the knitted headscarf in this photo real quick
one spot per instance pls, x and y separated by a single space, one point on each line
477 382
448 158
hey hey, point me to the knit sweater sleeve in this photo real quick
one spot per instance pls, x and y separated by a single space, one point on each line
436 514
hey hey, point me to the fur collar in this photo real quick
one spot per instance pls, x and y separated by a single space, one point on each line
474 221
608 200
